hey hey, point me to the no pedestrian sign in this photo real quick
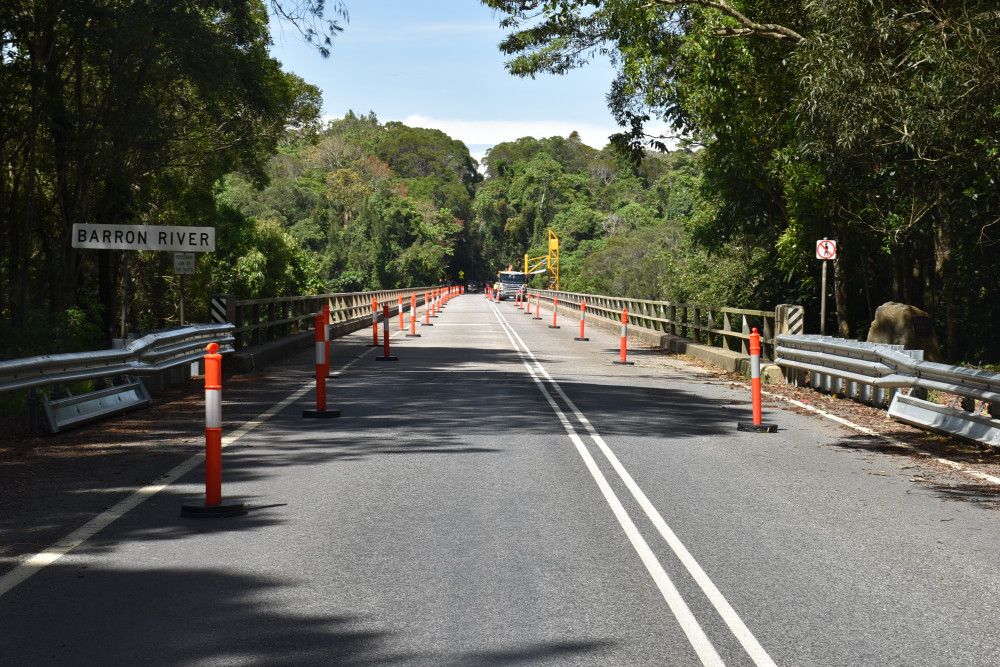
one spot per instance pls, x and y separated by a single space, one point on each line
826 249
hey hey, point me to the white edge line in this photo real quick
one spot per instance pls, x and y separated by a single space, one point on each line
40 560
887 438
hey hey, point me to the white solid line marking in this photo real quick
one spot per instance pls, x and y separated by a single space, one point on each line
689 624
728 614
887 438
45 558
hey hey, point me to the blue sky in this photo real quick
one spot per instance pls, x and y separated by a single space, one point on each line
435 64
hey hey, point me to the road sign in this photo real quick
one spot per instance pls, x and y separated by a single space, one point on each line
144 237
184 263
826 249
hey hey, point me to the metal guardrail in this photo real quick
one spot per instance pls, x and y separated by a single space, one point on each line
874 372
144 356
728 328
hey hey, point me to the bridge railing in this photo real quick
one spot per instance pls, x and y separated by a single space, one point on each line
727 328
258 321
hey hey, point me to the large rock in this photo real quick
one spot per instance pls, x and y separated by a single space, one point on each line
900 324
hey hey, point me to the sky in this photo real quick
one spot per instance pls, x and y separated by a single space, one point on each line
435 64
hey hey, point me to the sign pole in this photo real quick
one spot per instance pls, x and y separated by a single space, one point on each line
826 249
822 303
124 291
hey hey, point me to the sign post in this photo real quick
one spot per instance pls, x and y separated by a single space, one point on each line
184 264
826 249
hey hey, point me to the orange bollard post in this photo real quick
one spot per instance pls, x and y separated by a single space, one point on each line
555 308
374 322
322 370
326 336
385 336
538 307
624 343
757 426
402 325
413 317
583 317
434 301
527 299
427 310
213 506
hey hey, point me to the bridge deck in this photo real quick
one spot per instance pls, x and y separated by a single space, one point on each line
500 495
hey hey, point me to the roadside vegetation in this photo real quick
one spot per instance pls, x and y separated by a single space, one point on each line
875 124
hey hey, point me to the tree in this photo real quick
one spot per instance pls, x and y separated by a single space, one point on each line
125 114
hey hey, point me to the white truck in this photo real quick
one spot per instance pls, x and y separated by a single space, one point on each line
510 283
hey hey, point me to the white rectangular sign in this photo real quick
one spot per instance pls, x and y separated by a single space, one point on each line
144 237
184 263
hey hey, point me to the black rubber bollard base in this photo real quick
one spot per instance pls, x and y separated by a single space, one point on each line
386 358
757 428
578 338
412 336
426 324
623 363
321 414
220 511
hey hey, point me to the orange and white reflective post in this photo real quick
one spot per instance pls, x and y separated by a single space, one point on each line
624 342
385 336
427 310
326 335
555 308
322 370
583 318
402 326
538 307
757 426
213 506
374 322
413 317
213 425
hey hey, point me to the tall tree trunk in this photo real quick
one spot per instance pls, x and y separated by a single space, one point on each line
947 295
840 295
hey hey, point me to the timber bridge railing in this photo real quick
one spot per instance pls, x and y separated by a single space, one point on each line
669 325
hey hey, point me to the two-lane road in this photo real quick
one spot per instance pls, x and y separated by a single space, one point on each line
505 495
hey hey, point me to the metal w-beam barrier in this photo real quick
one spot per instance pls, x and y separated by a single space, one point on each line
145 356
877 373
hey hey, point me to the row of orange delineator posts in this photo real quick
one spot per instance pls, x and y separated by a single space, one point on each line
520 304
214 506
756 426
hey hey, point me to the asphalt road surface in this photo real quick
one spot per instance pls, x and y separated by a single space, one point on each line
505 495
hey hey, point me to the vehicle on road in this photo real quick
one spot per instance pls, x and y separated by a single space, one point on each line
510 283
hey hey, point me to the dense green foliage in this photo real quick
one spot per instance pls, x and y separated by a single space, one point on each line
869 121
124 113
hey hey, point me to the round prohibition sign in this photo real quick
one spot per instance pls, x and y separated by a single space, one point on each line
826 249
